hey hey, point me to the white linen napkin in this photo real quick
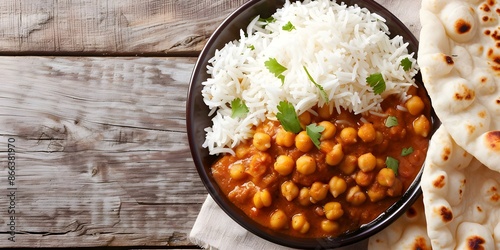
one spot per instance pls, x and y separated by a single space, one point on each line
214 229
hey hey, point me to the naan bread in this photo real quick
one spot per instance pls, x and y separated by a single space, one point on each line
407 232
461 197
459 57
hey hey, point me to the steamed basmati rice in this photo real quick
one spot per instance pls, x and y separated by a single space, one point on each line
340 46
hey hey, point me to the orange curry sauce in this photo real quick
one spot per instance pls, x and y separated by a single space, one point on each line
307 195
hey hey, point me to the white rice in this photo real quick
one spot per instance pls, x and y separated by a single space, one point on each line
340 45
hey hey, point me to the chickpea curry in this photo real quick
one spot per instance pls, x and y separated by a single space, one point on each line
329 182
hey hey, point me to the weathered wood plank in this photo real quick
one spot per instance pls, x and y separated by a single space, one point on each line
109 26
101 152
128 27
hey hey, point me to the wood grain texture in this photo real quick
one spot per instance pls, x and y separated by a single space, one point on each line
102 157
109 26
128 27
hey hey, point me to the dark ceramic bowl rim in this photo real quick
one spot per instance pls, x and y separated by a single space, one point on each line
201 159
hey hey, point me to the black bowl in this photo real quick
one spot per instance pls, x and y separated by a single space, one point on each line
198 120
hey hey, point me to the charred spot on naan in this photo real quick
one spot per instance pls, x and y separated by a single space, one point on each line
495 35
446 214
479 208
440 181
446 153
475 243
493 140
471 128
485 7
483 80
448 60
494 60
486 82
464 93
411 213
462 26
460 21
461 190
420 244
495 197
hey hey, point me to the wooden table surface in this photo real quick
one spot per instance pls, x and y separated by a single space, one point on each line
93 143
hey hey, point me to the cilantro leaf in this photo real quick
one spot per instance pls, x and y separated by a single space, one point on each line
406 151
321 90
282 78
251 47
238 108
288 117
270 19
391 121
406 64
314 132
376 81
392 164
288 26
276 68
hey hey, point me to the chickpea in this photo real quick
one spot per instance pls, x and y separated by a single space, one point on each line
289 190
237 171
355 196
349 135
305 165
367 162
326 146
415 105
262 199
349 164
333 210
380 163
396 189
330 130
386 177
259 164
337 186
284 165
379 137
329 226
261 141
318 191
278 220
300 223
285 138
376 192
303 142
335 156
242 151
367 132
422 126
364 179
324 112
305 118
304 197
